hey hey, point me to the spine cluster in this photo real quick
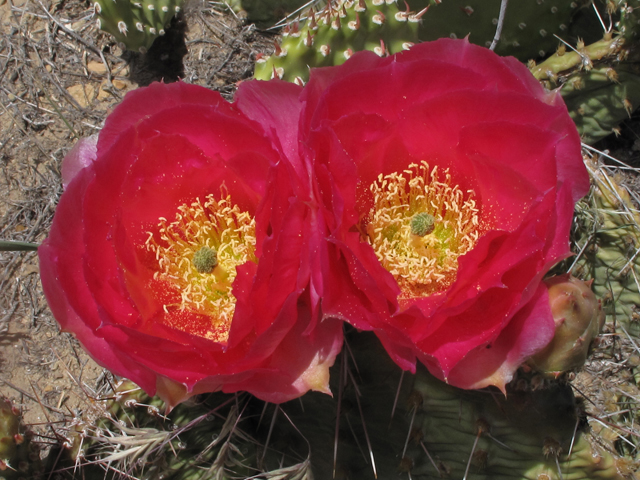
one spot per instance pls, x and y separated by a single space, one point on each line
136 24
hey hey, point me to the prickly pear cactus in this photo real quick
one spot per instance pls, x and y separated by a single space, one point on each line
607 239
600 82
600 99
331 35
386 26
531 435
380 423
136 23
19 457
529 26
195 441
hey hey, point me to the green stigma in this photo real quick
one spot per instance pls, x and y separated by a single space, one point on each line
205 260
422 224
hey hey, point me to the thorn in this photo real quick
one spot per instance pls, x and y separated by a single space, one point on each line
313 25
482 427
361 7
308 41
354 24
395 400
266 443
416 17
364 427
496 38
599 17
628 106
403 16
381 51
573 438
326 15
379 18
325 50
336 23
348 53
122 28
552 447
342 379
429 457
406 443
277 73
278 51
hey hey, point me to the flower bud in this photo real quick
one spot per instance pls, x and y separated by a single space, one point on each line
578 317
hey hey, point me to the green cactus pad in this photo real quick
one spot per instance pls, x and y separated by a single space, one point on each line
607 235
377 420
19 456
602 98
527 435
136 24
333 34
528 31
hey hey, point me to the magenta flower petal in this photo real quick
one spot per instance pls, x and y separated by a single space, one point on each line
179 256
451 131
80 156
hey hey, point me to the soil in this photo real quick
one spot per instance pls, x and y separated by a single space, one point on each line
59 78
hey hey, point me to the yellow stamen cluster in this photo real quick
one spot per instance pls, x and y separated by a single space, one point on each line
217 226
421 264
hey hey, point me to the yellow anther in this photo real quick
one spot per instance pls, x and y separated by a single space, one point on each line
425 261
197 254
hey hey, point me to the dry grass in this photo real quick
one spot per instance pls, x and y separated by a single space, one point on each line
59 78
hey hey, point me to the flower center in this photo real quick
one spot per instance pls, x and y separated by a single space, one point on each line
197 255
418 227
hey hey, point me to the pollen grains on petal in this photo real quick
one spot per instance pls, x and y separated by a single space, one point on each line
419 225
197 254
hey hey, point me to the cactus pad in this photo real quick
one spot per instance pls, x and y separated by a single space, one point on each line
528 31
332 35
136 24
607 237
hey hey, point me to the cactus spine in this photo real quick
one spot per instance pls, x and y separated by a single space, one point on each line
332 35
379 420
19 457
607 237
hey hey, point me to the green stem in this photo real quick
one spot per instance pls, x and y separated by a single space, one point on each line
10 246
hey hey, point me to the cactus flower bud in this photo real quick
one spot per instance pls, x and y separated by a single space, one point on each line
578 317
9 425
